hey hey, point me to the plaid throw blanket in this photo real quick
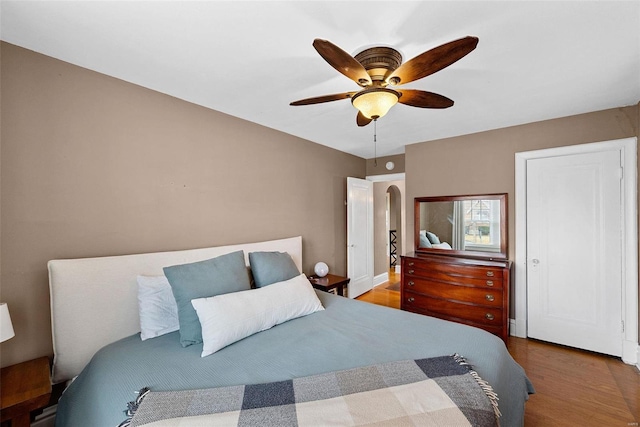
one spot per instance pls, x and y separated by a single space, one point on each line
442 391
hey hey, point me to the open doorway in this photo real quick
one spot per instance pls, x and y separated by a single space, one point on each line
389 228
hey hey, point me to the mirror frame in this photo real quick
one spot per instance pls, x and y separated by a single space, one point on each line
504 249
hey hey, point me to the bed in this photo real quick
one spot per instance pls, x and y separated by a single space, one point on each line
99 352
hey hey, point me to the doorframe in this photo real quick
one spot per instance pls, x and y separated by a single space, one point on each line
628 148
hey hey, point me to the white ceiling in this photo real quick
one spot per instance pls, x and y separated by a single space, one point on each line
535 60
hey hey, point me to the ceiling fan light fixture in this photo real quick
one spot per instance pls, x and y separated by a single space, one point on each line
375 102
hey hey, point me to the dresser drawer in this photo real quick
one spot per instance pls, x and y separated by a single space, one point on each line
477 314
475 295
489 283
421 268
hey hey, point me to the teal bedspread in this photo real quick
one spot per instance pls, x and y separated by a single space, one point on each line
347 334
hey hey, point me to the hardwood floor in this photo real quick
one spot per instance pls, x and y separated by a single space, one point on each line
573 387
380 295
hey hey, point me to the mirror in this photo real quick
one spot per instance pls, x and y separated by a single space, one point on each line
469 226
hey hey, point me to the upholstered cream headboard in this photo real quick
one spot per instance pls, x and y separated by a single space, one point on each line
94 300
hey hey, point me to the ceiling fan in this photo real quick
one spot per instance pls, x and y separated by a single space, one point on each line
376 68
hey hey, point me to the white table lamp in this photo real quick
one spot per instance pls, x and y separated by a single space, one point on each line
6 327
321 269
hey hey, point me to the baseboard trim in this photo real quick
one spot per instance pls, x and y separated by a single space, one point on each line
512 328
380 279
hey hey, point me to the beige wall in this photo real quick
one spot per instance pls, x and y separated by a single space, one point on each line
94 166
377 166
485 162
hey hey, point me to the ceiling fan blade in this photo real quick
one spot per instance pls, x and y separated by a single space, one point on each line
325 98
433 60
342 61
361 120
423 99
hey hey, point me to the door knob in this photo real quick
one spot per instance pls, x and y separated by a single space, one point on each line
535 261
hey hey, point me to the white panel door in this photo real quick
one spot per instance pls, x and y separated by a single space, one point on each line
359 236
574 250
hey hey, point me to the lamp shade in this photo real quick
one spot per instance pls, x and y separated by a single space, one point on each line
6 327
375 102
321 269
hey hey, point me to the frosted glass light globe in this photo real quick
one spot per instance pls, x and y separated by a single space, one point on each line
321 269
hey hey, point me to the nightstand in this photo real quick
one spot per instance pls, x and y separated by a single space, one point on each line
25 388
330 281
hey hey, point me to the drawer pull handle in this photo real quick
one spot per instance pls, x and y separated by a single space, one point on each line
489 297
410 272
489 316
411 283
411 299
411 264
489 282
490 273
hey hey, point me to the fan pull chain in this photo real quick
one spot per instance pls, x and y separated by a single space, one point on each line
375 144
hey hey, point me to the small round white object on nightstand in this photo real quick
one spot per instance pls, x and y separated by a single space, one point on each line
390 166
321 269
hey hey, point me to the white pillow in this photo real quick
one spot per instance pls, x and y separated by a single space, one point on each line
443 245
228 318
157 307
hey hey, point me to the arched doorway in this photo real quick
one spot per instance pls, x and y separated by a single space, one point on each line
389 214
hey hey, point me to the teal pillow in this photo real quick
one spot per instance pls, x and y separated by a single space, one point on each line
203 279
424 242
433 238
272 267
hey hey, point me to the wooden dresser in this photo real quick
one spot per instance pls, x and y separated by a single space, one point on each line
470 291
